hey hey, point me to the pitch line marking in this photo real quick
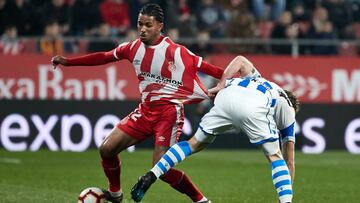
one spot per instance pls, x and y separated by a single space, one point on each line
10 161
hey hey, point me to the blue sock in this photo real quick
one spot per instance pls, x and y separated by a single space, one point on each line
282 180
176 154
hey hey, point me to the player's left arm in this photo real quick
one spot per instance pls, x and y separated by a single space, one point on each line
288 151
285 119
212 70
288 136
199 64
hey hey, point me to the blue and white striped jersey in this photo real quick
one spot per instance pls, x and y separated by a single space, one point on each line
284 113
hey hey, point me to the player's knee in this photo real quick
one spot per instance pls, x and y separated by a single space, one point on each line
106 150
196 145
274 157
271 148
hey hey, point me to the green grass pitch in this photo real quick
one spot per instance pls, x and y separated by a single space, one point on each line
224 176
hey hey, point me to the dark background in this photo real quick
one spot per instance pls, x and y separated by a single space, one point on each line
336 118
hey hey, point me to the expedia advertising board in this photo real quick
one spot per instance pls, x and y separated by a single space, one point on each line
80 125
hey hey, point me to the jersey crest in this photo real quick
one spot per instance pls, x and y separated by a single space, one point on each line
171 66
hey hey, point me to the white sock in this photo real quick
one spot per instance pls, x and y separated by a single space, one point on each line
116 194
203 199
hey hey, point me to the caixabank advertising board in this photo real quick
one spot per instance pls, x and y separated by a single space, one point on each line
73 108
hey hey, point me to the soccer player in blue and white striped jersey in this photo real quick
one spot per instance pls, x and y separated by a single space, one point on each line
253 105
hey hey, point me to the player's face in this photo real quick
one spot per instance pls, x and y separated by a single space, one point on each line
149 29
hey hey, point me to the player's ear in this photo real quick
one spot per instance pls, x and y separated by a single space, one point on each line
160 26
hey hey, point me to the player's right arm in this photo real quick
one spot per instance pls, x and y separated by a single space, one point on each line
94 59
239 66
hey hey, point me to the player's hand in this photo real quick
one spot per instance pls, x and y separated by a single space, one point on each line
213 91
56 60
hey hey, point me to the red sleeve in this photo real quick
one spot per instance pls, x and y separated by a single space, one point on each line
123 50
211 70
94 59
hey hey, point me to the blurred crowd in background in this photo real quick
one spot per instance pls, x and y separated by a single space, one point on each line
76 26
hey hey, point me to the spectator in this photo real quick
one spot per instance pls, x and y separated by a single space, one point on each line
10 44
21 14
210 18
319 18
300 13
3 15
276 7
116 14
301 16
104 41
341 15
284 29
59 11
241 25
355 10
202 47
51 43
85 17
187 26
326 31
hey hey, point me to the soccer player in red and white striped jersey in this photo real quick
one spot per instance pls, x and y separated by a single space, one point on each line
167 74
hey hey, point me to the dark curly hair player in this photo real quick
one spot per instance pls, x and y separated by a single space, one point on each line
167 74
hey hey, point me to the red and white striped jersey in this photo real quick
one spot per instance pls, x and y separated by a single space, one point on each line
166 71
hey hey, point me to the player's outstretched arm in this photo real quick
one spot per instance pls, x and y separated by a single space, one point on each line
56 60
289 157
94 59
239 66
211 70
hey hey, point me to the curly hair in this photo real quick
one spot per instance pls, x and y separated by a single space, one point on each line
293 100
153 10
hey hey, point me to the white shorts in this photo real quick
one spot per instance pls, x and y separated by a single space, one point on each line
238 109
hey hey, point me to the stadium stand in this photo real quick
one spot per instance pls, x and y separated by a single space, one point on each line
223 19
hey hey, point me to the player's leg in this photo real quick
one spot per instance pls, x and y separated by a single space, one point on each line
214 122
280 173
131 130
254 116
259 134
176 154
113 144
164 170
170 127
180 151
177 179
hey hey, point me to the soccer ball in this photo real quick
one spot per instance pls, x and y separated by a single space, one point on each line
91 195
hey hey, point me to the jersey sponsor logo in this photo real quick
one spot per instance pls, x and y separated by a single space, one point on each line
160 79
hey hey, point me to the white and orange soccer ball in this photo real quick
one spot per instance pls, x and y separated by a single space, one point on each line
91 195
